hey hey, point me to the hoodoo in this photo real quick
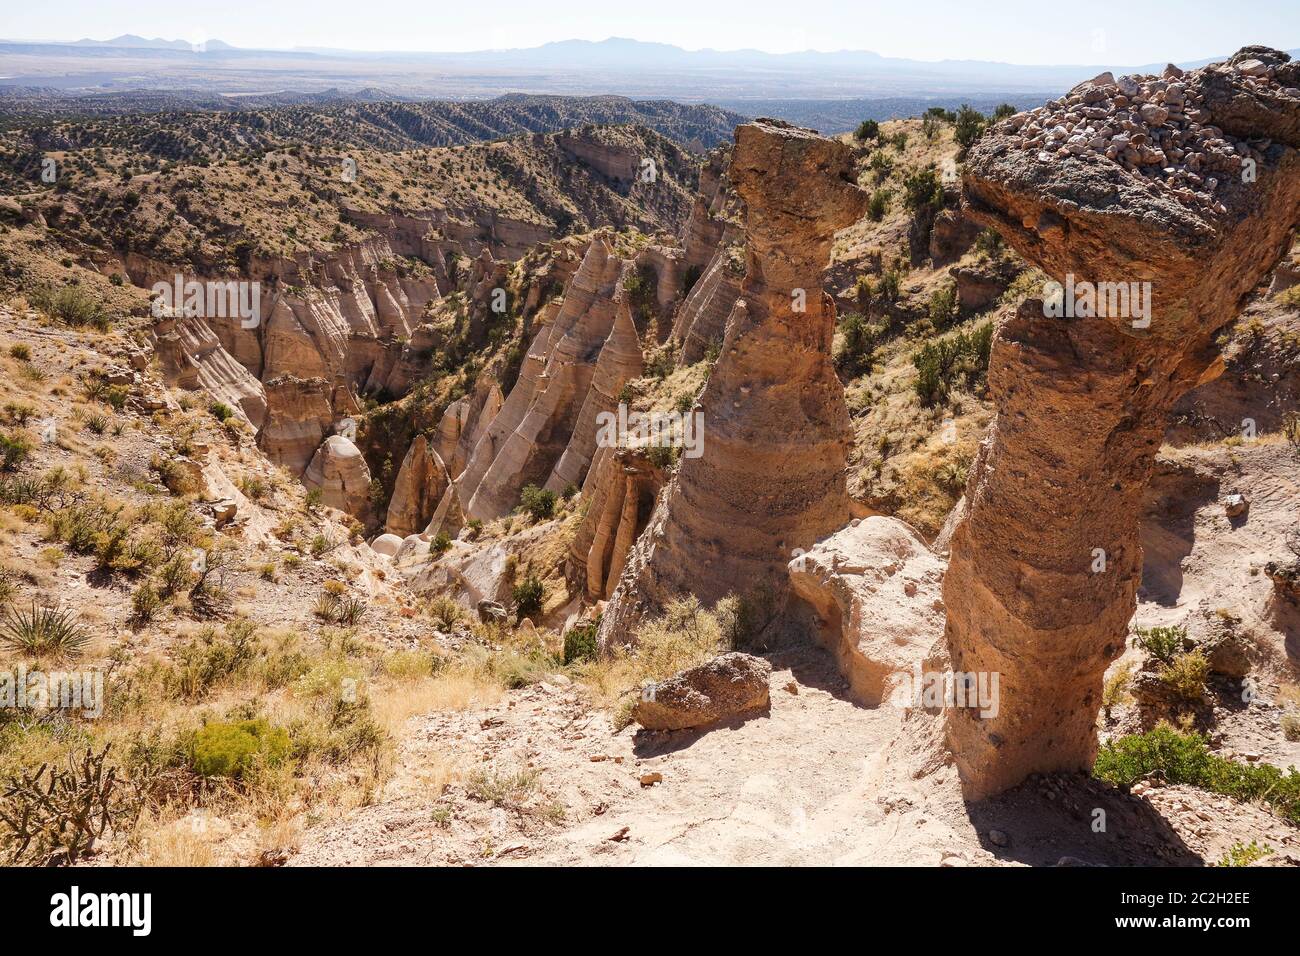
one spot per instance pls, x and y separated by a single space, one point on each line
1158 204
776 430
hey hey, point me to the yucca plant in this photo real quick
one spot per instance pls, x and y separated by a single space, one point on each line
44 629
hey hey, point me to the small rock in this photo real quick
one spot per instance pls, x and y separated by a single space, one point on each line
491 611
792 688
998 838
651 778
1234 506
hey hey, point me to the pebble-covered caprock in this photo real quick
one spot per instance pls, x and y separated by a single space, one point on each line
1156 127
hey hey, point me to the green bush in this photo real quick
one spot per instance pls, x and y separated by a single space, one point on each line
538 502
857 344
943 305
970 125
1003 111
528 595
922 189
943 364
878 205
1186 759
1162 643
867 129
14 450
233 750
580 642
71 304
221 411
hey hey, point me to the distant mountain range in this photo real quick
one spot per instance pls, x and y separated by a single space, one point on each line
571 67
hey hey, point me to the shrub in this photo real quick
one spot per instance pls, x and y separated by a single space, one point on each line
857 345
221 411
943 305
1002 111
528 595
1162 643
867 129
1186 675
145 602
14 450
970 125
1186 759
922 190
234 750
446 612
878 205
71 304
538 502
1239 854
43 629
341 609
944 363
440 544
1291 726
21 351
580 642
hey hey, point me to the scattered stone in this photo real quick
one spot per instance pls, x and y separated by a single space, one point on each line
1236 505
651 778
998 838
619 836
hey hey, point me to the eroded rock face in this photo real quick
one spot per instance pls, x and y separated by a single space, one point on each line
548 420
875 588
730 685
775 427
421 483
620 492
299 415
339 471
1045 563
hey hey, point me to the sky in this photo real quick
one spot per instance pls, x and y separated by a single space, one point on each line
1012 31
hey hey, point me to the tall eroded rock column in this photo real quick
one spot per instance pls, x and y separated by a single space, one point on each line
1157 204
775 428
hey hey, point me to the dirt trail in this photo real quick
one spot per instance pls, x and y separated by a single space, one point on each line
813 782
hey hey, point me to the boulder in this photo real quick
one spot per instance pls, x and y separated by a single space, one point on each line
731 685
387 544
876 591
490 612
340 472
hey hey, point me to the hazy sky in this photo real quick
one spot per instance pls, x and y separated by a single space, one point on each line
1015 31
